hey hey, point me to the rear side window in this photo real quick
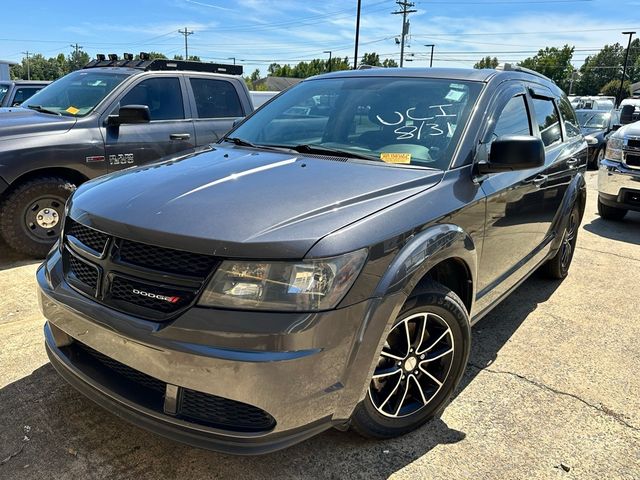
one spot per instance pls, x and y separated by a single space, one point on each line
548 121
571 124
163 96
215 98
513 120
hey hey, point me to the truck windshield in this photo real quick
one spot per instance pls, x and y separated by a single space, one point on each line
3 91
75 94
399 120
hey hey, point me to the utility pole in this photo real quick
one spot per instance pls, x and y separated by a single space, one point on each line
186 33
574 77
431 60
406 9
329 52
76 58
232 58
355 54
624 68
28 69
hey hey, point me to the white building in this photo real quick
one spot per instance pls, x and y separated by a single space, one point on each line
4 69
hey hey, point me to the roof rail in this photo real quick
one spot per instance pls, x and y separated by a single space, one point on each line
510 67
164 64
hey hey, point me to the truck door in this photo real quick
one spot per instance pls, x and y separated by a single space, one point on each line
216 104
169 132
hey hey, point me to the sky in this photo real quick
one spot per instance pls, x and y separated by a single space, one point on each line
259 32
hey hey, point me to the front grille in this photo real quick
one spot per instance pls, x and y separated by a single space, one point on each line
633 143
193 406
632 160
110 268
222 412
83 272
147 296
93 239
131 374
165 259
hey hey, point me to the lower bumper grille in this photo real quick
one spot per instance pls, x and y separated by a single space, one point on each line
193 406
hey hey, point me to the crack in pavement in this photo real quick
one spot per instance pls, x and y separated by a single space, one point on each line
608 253
618 417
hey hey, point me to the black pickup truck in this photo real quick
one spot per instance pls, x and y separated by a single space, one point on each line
110 115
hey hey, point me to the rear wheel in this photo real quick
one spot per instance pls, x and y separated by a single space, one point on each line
31 216
597 158
421 363
558 266
610 213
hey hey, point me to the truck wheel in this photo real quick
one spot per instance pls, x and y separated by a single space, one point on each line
597 157
31 216
421 363
610 213
558 266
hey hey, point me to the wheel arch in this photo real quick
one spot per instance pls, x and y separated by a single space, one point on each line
70 174
576 193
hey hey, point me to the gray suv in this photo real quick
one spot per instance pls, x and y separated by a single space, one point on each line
111 115
322 265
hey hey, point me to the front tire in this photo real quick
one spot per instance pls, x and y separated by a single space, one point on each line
610 213
596 159
421 363
31 215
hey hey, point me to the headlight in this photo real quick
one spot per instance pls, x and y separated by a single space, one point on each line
308 285
614 149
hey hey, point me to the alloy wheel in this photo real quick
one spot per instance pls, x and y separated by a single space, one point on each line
413 366
569 240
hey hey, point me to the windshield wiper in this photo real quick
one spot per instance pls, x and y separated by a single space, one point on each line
240 142
320 150
41 109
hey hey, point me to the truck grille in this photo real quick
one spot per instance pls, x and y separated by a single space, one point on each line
632 160
148 281
193 406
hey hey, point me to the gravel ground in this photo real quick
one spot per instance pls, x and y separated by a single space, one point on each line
551 391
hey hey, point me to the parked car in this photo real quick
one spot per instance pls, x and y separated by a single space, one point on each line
14 92
323 264
619 173
111 115
594 103
596 125
635 102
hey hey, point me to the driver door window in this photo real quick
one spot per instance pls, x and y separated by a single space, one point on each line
162 95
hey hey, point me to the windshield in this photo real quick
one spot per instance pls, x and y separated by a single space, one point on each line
75 94
416 121
3 91
593 120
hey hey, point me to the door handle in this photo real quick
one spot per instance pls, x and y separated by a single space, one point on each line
180 136
540 180
573 162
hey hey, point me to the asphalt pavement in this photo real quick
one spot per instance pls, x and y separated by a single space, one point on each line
552 391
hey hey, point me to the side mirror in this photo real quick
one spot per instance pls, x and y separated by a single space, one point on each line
131 114
626 114
513 152
591 140
616 126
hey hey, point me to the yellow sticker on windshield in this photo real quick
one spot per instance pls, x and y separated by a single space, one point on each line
395 157
73 110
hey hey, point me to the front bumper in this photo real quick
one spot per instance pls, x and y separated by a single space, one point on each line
307 371
618 185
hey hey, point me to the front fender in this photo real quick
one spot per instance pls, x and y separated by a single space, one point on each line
423 252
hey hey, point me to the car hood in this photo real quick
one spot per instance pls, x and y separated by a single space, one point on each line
592 131
238 202
17 122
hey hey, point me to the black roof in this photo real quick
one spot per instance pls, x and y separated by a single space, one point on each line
473 74
167 65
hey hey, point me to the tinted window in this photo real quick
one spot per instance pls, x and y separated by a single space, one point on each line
163 96
415 121
215 98
24 93
3 91
571 124
594 119
548 121
514 119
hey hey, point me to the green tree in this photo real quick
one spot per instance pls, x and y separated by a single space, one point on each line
154 55
192 58
599 69
554 63
611 88
389 63
76 60
307 69
372 59
487 62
